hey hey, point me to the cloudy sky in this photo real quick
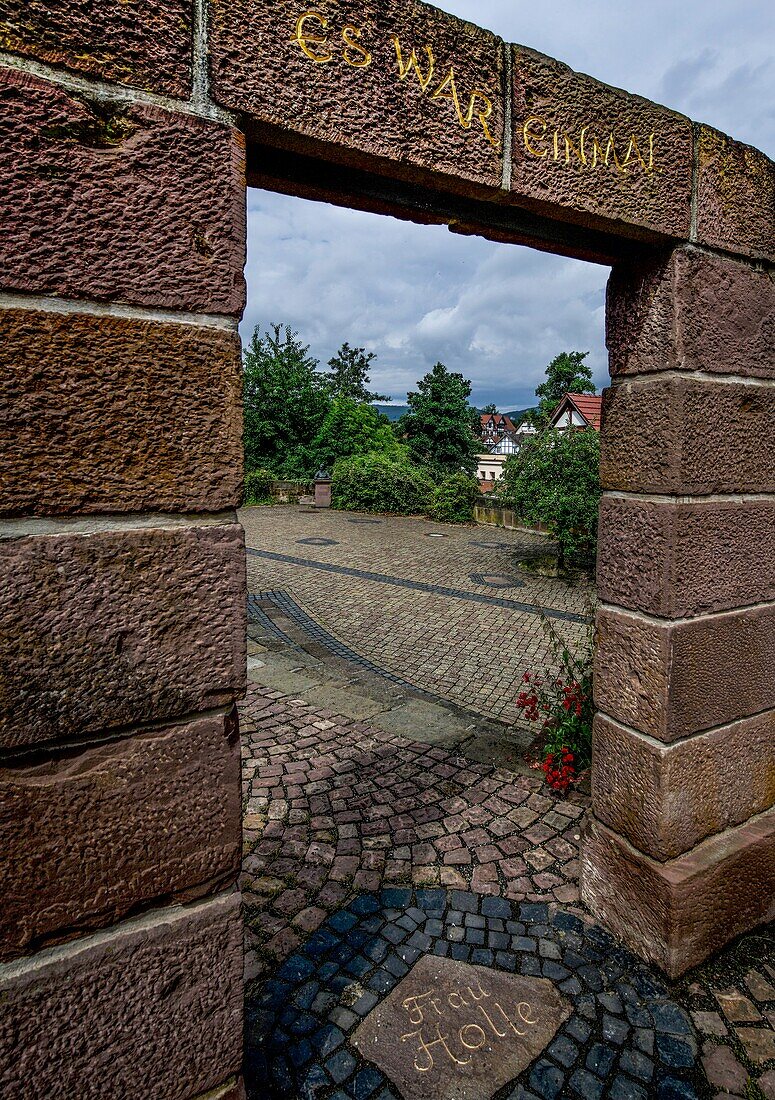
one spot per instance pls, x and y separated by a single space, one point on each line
499 313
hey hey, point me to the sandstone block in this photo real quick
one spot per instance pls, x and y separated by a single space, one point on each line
89 838
735 196
366 82
687 436
147 45
671 680
665 799
691 310
680 560
117 628
596 154
126 203
151 1008
678 913
107 414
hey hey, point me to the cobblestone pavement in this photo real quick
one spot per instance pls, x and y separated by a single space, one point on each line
365 849
452 615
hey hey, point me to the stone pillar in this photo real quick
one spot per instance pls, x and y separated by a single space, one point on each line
122 623
680 857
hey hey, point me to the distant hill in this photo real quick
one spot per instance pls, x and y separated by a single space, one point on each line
517 414
395 412
392 412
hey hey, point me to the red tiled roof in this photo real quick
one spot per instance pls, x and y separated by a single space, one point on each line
499 421
586 404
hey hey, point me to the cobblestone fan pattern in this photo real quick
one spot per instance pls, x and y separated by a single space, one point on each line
364 849
626 1038
334 805
436 620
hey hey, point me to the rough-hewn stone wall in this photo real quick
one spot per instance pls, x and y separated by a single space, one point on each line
122 642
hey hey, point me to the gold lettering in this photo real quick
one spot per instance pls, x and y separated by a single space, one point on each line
579 152
412 63
412 1006
597 152
508 1021
523 1008
473 1045
499 1034
482 993
348 34
611 149
633 147
482 115
301 39
556 148
460 1002
449 79
424 1049
530 123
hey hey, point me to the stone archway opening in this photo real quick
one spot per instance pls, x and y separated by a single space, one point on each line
123 644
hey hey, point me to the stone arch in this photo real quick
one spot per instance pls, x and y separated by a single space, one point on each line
125 171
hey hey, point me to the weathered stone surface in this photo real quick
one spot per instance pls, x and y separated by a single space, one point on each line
677 913
152 1008
680 560
351 98
666 799
108 414
656 437
90 838
118 628
635 186
146 44
128 203
672 680
735 196
493 1025
691 310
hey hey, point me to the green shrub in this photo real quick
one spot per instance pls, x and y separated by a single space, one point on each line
377 483
554 479
258 486
454 499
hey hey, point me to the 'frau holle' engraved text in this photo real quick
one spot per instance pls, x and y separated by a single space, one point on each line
587 149
439 1039
319 42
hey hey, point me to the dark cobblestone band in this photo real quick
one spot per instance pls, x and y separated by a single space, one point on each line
420 586
626 1038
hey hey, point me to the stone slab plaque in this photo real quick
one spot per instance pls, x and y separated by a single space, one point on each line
455 1031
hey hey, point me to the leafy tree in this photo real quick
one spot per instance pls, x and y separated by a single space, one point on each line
440 425
554 479
285 402
492 408
567 373
380 483
352 428
349 374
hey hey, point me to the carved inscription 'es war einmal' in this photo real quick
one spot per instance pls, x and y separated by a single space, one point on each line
323 44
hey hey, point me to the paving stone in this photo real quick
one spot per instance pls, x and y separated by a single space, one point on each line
586 1085
600 1059
759 1043
723 1070
624 1088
